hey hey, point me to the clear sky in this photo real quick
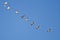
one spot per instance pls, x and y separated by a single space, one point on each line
45 13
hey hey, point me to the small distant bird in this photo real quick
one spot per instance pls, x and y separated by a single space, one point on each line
37 27
23 16
32 23
5 3
8 8
16 11
26 19
49 30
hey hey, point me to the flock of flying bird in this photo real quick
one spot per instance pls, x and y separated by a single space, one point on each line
6 4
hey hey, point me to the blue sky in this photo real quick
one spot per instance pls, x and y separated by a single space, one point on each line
45 13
